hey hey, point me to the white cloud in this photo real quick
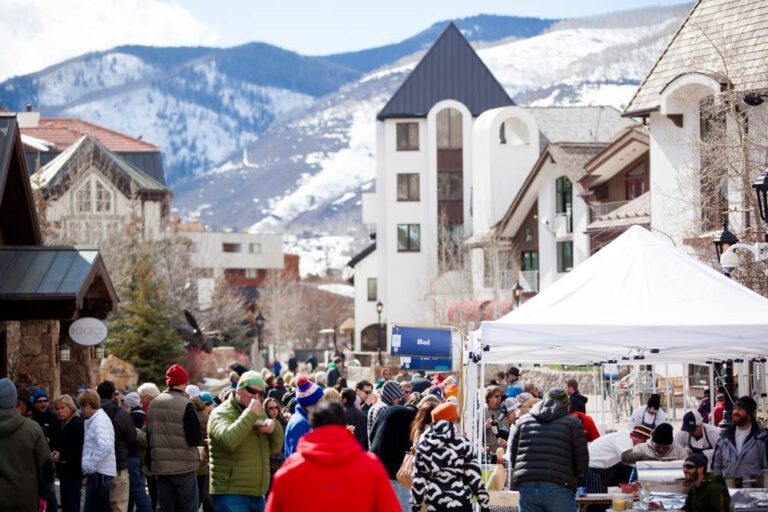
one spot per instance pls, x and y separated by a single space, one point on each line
38 33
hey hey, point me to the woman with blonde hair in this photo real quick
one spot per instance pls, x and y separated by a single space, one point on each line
67 450
331 395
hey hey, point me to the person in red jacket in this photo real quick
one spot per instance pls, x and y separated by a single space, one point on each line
578 409
330 467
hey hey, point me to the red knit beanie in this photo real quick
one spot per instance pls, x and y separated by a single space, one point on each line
176 376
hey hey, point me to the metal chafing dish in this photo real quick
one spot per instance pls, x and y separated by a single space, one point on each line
662 476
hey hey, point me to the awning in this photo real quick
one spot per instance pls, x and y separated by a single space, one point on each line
55 283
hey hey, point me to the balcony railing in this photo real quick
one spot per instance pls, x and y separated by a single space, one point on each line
600 209
529 280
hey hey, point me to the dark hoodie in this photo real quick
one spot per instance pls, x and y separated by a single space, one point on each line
330 467
548 446
26 467
711 496
447 471
126 444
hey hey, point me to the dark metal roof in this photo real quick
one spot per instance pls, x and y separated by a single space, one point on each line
450 70
361 255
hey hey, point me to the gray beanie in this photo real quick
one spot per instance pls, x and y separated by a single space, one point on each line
391 391
8 394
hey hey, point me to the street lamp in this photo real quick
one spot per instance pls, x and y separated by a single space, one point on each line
379 309
260 321
518 292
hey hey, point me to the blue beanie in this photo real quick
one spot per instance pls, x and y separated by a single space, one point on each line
35 394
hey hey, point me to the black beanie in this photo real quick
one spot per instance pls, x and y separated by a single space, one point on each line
654 402
662 434
747 403
578 404
699 459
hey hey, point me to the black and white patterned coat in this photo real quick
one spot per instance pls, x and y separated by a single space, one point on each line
446 473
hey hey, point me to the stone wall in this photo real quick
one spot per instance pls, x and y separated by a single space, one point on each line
79 371
546 378
33 354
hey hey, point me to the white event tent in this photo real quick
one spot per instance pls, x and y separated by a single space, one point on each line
639 297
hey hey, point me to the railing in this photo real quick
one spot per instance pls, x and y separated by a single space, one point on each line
563 224
529 280
600 209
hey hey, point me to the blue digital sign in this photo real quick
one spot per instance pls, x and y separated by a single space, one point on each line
440 364
432 342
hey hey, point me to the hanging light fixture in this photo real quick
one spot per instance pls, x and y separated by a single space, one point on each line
64 353
724 240
99 352
761 191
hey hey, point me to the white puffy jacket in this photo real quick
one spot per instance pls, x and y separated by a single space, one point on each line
99 445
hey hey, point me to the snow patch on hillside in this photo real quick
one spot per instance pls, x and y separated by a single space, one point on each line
319 253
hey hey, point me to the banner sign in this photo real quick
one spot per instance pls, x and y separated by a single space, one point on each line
88 331
421 341
440 364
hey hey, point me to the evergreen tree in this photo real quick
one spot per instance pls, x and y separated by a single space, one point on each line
141 331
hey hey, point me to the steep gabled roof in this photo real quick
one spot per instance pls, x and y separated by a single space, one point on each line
18 216
715 30
55 176
450 70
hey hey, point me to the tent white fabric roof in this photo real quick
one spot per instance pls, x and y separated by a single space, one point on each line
637 295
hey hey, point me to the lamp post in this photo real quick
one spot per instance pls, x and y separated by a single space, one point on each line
724 241
518 292
379 309
256 354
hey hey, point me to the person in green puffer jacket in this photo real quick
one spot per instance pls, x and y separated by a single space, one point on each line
241 439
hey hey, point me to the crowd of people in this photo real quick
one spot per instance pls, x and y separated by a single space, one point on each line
282 441
554 447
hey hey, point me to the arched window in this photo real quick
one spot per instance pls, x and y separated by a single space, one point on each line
83 202
513 132
94 196
449 129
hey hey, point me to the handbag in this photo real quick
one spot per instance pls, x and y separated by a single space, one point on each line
405 473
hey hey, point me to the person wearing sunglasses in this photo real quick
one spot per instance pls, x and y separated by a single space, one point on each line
708 492
240 440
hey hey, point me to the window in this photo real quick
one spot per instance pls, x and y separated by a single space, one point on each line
488 268
408 237
93 197
251 273
449 129
372 292
254 248
449 186
227 247
564 199
528 236
407 136
530 260
634 182
408 187
564 256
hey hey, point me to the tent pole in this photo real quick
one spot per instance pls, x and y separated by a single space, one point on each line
712 389
611 396
686 386
480 423
670 399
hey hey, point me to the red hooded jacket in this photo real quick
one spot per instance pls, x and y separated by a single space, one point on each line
329 467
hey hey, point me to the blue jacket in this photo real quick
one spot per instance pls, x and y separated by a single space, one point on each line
296 428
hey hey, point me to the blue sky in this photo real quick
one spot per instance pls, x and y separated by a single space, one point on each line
39 33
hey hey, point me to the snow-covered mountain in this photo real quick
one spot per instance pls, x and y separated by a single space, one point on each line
306 173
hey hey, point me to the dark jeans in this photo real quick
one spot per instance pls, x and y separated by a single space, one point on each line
546 497
152 488
177 493
204 497
237 503
97 493
70 489
138 493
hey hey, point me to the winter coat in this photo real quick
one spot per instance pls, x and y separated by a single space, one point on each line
376 410
49 422
446 472
297 427
587 425
26 466
391 436
752 459
202 417
173 434
330 471
99 445
357 419
548 446
125 433
711 496
69 443
239 452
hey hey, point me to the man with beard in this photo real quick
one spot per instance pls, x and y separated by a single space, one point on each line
707 492
741 449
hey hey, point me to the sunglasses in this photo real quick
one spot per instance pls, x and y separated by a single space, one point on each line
254 391
690 466
41 401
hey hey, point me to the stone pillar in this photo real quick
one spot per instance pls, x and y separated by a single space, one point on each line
80 370
38 358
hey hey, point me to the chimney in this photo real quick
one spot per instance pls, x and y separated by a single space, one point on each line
28 118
